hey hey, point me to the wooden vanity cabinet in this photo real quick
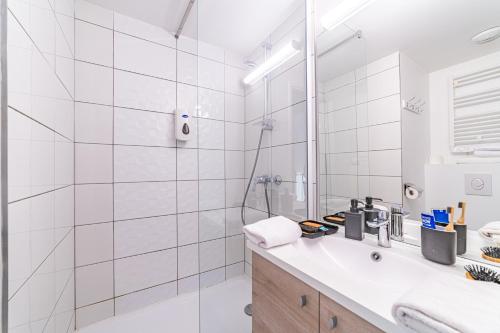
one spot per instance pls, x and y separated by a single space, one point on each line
282 303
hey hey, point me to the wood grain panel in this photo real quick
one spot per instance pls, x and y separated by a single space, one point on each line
275 299
347 322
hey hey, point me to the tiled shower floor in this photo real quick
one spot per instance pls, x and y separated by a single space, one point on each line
220 308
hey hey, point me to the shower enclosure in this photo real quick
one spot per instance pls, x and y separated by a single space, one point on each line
113 224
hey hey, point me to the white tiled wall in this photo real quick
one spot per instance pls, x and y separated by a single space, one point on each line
360 132
40 166
155 217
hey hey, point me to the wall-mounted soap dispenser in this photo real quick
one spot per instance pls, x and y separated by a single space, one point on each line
183 129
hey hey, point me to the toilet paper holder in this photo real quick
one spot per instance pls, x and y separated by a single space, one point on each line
412 191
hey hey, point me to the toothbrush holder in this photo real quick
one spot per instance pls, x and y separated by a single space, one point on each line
439 246
461 230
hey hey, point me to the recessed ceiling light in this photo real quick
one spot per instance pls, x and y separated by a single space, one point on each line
487 36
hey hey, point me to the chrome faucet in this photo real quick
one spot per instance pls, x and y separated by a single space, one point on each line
382 223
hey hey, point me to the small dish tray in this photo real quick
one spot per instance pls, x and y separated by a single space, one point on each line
315 229
338 219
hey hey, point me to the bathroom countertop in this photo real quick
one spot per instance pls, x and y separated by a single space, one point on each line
307 260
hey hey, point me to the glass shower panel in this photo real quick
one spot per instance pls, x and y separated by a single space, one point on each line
233 40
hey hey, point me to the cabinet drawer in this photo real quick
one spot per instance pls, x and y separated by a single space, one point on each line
281 302
346 321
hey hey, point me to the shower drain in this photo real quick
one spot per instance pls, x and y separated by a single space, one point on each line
376 256
248 310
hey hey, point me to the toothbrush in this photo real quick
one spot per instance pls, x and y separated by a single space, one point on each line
461 219
451 212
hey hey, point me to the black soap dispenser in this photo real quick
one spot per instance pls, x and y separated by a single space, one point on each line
355 222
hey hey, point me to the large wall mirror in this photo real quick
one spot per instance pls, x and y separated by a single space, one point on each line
409 109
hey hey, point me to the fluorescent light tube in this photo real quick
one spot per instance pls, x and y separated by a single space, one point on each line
279 58
344 11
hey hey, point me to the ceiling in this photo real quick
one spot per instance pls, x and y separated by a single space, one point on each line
236 25
435 34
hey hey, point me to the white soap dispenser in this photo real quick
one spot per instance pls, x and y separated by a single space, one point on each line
183 128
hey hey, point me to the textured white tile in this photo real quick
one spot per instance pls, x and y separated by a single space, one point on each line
66 7
187 164
87 290
363 139
64 162
289 88
187 98
65 69
234 80
143 298
342 119
234 192
189 284
341 98
212 278
211 164
343 142
289 160
93 123
135 200
144 271
361 91
144 235
212 224
134 127
343 164
187 196
211 134
234 108
93 313
93 203
188 260
383 84
211 194
93 83
364 186
384 110
382 64
234 225
140 164
386 136
385 162
387 188
93 163
235 164
140 56
210 104
144 93
363 163
210 51
235 249
187 68
42 28
65 35
93 243
289 125
344 186
93 43
210 74
138 28
235 270
235 136
187 228
64 207
212 254
87 11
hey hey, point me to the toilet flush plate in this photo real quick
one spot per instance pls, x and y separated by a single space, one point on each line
478 184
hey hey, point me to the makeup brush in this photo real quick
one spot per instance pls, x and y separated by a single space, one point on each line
461 219
451 212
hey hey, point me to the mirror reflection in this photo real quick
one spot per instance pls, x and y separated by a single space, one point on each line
409 115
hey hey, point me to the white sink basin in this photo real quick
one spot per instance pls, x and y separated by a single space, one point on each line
344 270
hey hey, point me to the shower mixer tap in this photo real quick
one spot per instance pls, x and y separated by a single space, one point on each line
265 179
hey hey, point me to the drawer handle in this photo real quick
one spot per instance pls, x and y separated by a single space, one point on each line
302 301
332 323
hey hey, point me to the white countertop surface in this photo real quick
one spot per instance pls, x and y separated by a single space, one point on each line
341 269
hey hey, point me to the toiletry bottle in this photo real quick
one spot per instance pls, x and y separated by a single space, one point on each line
355 222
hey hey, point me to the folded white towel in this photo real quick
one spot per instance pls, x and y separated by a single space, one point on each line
491 231
273 232
450 304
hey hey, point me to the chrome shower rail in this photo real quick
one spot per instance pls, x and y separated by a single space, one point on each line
184 18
